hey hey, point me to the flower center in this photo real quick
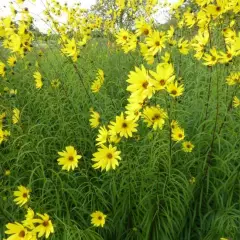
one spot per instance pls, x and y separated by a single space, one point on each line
188 146
218 8
162 82
100 218
146 31
45 223
156 117
214 58
180 135
145 85
21 234
70 158
157 43
24 195
174 92
109 156
124 37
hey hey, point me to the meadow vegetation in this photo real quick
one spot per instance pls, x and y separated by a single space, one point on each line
115 127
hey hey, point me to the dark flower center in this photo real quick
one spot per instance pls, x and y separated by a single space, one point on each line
24 195
162 82
100 218
156 117
45 223
109 156
180 135
145 85
146 31
174 92
157 43
70 158
124 125
21 234
214 58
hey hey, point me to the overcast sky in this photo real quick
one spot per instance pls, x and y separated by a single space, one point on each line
36 9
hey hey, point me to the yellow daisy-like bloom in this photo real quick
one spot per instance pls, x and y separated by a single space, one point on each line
177 134
38 79
2 69
142 28
212 58
154 116
69 158
125 127
233 78
16 115
183 46
95 119
140 84
17 232
122 37
55 83
98 219
12 61
187 146
102 136
174 124
163 76
156 42
98 82
45 226
70 49
174 90
236 101
28 222
22 195
106 158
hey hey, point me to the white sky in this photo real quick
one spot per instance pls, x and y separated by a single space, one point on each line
36 9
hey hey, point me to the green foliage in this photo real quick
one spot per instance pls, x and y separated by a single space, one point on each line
149 196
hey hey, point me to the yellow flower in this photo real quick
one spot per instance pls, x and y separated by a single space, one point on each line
45 226
142 28
12 61
95 119
17 232
177 134
236 101
70 49
69 158
102 136
174 90
154 116
16 115
187 146
123 126
212 58
140 82
98 219
106 158
22 195
98 82
183 46
55 83
2 69
233 78
38 79
28 222
156 42
163 76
